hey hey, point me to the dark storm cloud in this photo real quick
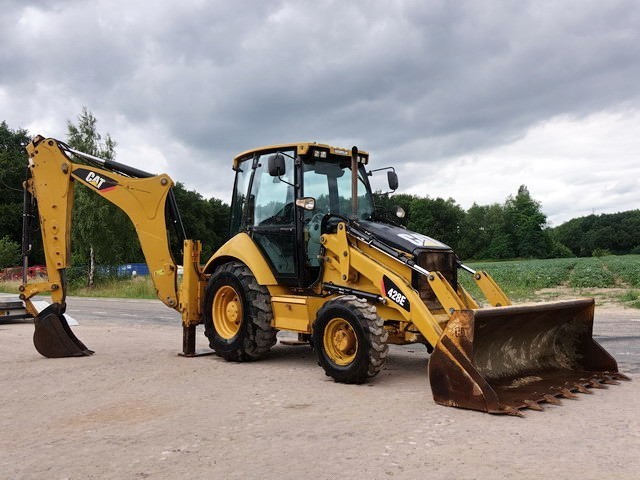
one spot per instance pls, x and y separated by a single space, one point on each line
413 80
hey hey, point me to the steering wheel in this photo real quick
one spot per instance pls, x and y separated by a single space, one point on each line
314 222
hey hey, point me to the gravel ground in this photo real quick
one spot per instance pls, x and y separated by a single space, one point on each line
137 410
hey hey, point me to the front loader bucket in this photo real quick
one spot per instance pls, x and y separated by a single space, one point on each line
53 337
504 359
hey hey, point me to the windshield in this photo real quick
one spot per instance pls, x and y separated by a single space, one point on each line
329 182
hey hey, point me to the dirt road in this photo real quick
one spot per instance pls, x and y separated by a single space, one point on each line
137 410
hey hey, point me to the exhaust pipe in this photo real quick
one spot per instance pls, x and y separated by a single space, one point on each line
354 182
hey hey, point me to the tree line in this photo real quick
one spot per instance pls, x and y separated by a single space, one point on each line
103 234
517 228
597 235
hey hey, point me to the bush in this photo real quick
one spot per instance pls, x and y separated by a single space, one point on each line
559 250
10 252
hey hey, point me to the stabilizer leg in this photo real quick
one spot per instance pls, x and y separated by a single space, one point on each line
189 343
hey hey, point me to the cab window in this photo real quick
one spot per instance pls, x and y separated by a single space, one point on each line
274 198
239 200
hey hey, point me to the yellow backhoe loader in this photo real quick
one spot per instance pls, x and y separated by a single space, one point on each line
308 253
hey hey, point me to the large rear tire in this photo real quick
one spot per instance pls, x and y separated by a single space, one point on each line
350 340
238 314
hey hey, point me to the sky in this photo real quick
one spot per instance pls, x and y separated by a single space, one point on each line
466 99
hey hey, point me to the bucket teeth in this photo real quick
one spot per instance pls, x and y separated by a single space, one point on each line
609 380
597 384
552 400
533 405
582 389
566 393
513 411
620 376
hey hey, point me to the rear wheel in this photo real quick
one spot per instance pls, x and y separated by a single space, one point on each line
238 314
350 340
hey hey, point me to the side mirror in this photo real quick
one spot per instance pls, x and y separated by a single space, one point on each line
392 178
276 165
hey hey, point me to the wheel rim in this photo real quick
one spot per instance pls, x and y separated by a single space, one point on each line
227 312
340 341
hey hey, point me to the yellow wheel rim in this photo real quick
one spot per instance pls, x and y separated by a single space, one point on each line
340 341
227 312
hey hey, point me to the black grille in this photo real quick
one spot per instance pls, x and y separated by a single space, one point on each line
435 261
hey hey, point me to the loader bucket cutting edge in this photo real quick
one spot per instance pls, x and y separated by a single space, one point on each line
53 338
504 359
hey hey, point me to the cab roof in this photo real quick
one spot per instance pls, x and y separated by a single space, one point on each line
302 148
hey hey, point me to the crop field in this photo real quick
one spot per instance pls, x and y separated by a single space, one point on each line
619 276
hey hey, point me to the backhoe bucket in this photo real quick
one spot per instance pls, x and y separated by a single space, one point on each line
504 359
53 337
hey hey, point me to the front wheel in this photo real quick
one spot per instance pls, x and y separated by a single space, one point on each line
350 340
238 314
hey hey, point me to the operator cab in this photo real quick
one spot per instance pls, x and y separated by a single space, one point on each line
282 193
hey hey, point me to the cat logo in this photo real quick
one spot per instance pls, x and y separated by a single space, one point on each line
95 180
101 183
420 240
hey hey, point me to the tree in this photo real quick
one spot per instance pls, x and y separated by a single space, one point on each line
438 218
525 224
483 233
101 233
204 219
385 206
13 169
10 252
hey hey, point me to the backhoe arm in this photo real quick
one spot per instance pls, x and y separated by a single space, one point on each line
52 175
142 199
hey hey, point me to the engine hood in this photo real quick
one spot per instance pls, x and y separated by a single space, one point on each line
401 238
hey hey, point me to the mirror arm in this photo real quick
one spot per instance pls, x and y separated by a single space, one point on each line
370 172
284 181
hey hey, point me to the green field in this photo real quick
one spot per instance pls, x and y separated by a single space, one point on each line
611 279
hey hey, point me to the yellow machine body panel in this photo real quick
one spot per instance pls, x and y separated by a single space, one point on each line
241 247
295 312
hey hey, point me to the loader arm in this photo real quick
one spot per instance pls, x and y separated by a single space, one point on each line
53 174
498 359
350 255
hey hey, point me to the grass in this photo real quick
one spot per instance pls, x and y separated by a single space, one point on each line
139 287
631 298
611 278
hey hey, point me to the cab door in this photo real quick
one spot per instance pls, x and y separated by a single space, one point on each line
274 216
